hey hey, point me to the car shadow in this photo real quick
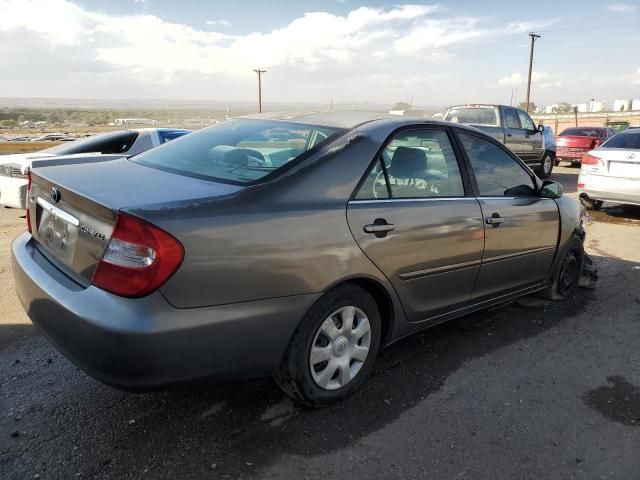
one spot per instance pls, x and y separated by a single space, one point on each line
615 213
241 428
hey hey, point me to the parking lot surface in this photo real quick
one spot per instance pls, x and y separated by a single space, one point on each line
530 389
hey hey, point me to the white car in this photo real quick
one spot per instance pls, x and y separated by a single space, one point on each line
14 168
611 173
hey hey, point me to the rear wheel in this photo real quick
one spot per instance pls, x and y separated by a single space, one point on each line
334 348
546 167
590 203
568 271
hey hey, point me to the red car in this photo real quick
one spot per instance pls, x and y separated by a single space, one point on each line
574 142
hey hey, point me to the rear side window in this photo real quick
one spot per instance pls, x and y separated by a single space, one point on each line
415 164
511 118
112 142
497 173
240 151
581 132
629 139
168 135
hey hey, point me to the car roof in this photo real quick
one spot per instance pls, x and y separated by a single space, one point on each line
353 119
341 119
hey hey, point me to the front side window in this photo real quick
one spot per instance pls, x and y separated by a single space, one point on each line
497 173
415 164
239 151
525 121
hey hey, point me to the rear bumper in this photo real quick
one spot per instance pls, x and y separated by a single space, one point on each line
610 189
13 192
570 156
142 343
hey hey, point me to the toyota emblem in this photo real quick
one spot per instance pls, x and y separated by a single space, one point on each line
631 156
55 194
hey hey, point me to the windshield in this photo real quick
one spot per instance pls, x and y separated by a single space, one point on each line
112 142
473 115
581 132
239 151
627 140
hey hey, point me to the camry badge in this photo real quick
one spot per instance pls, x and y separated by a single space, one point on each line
55 194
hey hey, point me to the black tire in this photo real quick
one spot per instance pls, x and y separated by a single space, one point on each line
590 203
546 166
556 162
566 276
294 376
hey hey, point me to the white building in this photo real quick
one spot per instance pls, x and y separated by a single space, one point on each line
582 107
635 104
134 121
621 105
596 106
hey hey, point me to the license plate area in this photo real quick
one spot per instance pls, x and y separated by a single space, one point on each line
624 169
57 230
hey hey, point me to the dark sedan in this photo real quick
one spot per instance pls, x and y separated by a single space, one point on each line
288 245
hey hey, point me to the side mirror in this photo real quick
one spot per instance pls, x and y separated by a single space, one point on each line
551 189
540 128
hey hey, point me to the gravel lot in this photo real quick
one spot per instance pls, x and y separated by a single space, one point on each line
531 389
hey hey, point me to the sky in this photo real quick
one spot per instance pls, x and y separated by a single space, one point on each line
318 51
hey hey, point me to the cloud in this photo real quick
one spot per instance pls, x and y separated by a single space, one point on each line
622 7
365 53
540 79
221 23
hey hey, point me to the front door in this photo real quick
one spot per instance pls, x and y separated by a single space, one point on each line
532 142
412 219
521 229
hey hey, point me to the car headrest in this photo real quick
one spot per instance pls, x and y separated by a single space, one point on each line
408 162
229 155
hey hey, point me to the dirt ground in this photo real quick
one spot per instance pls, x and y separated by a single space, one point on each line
531 389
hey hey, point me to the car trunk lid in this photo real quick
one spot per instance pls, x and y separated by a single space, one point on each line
73 205
615 162
574 141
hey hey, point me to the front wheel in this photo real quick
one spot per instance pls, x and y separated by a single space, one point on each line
334 348
546 167
567 275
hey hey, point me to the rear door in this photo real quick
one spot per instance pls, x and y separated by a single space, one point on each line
521 229
514 136
414 218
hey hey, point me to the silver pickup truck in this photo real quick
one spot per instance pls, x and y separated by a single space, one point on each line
511 126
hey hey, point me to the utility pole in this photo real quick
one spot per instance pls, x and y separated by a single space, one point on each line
259 72
534 37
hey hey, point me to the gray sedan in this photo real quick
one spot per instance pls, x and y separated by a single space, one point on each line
295 246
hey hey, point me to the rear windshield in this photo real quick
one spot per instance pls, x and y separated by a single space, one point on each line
112 142
626 140
239 151
581 132
473 115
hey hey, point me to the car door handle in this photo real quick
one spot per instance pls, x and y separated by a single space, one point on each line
495 220
379 228
509 135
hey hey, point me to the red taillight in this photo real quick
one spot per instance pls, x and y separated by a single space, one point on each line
27 200
589 159
138 259
581 185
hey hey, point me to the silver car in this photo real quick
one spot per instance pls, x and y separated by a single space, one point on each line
291 245
121 143
611 173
